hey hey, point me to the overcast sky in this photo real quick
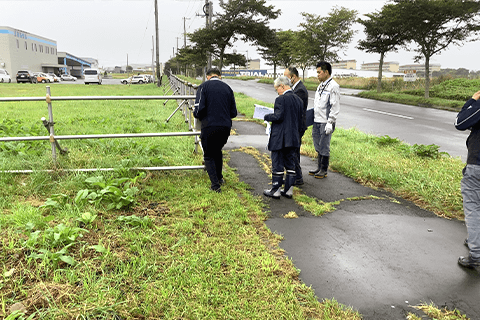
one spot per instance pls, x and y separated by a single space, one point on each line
109 30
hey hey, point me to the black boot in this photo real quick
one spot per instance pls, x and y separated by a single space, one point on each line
324 166
212 174
319 166
289 183
277 180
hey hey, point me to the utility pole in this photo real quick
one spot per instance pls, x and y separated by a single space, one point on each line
185 32
153 59
157 54
209 24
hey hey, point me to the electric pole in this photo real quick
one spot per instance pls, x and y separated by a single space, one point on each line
157 54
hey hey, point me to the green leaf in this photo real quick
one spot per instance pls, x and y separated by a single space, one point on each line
68 259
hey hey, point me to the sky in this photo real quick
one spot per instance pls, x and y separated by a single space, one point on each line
113 31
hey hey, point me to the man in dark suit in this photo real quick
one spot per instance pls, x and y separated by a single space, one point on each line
299 89
284 138
215 107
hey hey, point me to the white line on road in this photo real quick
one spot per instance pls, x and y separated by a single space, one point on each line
388 113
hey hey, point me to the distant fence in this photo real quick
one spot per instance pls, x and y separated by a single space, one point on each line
183 92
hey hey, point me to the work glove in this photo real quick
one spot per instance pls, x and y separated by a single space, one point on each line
328 128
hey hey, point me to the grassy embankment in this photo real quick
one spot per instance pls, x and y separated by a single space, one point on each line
129 245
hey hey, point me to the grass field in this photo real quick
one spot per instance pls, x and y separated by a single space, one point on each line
133 245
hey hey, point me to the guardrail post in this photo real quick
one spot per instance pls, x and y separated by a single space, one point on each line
52 131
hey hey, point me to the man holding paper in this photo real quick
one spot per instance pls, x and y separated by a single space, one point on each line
284 137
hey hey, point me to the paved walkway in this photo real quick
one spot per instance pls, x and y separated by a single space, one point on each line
380 256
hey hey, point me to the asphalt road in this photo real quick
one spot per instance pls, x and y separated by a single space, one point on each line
414 125
380 256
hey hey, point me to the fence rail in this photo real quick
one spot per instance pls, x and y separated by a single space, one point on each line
186 97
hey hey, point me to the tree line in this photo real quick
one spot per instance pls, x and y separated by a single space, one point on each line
426 27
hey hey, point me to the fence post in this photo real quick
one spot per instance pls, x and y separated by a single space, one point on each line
52 132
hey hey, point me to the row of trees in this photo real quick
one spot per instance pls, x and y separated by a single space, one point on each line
426 27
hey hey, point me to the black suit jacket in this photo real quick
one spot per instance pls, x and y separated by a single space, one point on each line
285 122
302 92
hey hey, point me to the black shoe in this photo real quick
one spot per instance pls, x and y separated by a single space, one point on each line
469 262
217 190
299 182
466 242
321 174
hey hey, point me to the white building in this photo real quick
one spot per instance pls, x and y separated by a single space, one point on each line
21 50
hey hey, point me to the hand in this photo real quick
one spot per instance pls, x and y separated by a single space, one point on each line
476 95
328 128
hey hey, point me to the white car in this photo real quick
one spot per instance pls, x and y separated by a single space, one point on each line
4 76
134 79
54 76
68 77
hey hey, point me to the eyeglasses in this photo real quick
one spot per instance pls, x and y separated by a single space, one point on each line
276 88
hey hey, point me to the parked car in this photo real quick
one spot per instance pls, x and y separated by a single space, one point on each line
134 79
54 76
68 77
25 76
93 76
4 76
42 77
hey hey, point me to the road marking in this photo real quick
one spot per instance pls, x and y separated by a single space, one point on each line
388 113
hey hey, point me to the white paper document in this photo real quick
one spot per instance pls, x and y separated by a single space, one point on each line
261 111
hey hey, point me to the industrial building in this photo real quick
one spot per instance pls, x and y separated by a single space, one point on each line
21 50
345 64
389 66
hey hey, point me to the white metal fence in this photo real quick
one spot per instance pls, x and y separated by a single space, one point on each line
183 92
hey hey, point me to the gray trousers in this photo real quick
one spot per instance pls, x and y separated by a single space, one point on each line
471 207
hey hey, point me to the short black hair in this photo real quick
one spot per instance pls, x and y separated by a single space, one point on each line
293 71
325 66
214 71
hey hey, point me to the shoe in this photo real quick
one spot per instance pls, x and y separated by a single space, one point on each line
217 190
319 166
275 194
299 182
287 192
469 262
277 181
321 174
222 181
466 242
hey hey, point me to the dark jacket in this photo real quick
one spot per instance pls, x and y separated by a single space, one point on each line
302 92
285 122
215 104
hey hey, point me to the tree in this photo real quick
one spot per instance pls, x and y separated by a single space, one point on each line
434 25
327 36
276 48
245 20
383 31
236 59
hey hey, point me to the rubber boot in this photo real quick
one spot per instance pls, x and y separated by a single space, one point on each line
277 180
324 167
212 174
289 183
319 166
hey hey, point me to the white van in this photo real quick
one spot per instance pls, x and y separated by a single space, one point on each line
4 76
92 76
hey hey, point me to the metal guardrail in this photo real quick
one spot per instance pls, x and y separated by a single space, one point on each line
185 99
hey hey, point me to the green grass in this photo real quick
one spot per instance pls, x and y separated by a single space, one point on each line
177 250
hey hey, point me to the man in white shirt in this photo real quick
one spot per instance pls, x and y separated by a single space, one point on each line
326 109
